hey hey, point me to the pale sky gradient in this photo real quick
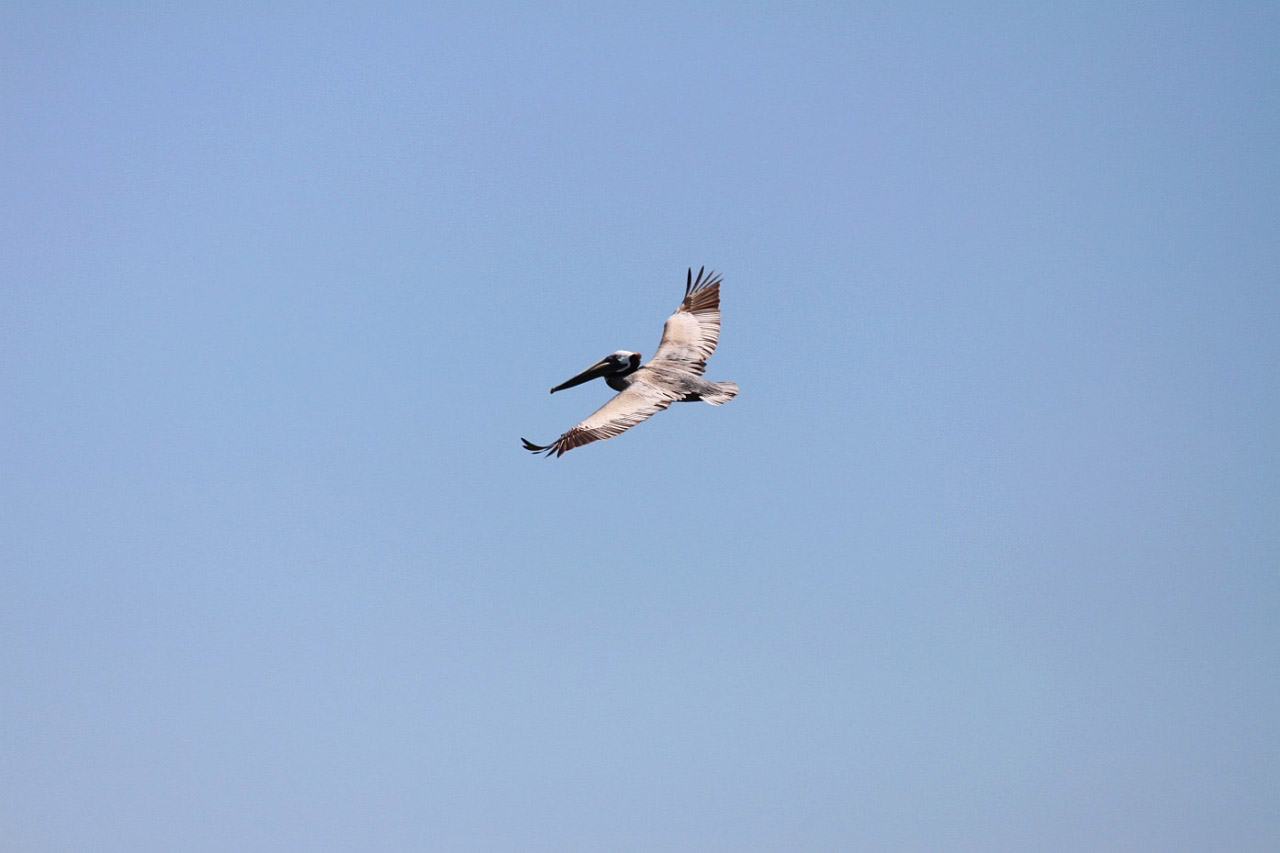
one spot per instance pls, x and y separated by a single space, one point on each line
985 556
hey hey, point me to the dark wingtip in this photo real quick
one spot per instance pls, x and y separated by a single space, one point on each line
703 280
537 448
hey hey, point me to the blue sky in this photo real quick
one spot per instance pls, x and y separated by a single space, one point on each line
984 555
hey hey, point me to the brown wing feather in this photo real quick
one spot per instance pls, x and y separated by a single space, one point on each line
637 403
691 333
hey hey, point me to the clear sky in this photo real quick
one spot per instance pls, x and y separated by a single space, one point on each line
986 554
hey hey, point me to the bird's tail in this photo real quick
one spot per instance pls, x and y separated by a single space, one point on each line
723 393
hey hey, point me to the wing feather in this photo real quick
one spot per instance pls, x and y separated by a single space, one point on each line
690 334
639 402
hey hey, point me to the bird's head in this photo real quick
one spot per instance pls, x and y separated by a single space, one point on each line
617 363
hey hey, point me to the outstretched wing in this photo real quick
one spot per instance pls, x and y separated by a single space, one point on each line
690 335
639 402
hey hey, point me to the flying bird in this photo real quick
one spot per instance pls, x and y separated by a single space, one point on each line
673 375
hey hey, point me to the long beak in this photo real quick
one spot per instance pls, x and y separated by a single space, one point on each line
596 370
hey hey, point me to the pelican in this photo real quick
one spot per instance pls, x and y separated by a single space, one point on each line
673 375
